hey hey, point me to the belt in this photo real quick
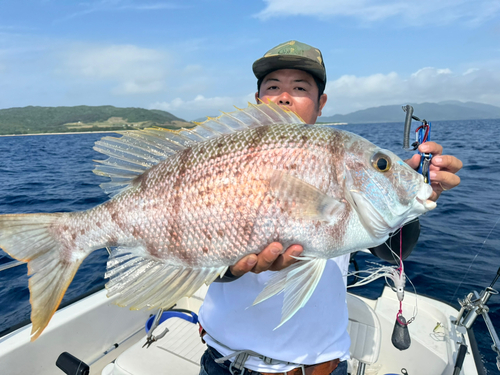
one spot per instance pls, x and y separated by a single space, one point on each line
325 368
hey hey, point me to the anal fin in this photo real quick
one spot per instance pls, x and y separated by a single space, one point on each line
144 282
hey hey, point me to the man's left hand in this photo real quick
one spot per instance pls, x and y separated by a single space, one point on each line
442 168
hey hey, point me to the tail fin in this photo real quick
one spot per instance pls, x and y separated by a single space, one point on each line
29 238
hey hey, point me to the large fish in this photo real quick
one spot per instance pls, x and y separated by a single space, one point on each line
185 206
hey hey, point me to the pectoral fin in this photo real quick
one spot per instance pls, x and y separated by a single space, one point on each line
298 282
303 200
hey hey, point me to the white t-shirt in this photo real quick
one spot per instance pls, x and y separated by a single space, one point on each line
316 333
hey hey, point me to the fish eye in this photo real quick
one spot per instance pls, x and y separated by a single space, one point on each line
381 162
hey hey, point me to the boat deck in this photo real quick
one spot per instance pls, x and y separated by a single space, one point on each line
94 325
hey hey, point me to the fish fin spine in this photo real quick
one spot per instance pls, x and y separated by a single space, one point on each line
143 282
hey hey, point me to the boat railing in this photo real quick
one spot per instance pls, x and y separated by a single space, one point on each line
475 305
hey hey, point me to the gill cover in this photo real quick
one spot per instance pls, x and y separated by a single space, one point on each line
384 191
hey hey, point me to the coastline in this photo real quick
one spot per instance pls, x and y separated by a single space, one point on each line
26 135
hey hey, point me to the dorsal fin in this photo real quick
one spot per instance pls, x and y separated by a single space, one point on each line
138 150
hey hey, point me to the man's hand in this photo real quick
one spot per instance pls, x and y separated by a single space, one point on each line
442 168
270 259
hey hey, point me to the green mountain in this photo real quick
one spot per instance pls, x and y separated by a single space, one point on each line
448 110
33 120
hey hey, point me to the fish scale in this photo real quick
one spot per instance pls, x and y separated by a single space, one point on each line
186 205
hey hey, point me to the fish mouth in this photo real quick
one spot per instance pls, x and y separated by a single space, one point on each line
427 204
423 196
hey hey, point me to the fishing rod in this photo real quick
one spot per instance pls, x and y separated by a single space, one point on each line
71 365
472 306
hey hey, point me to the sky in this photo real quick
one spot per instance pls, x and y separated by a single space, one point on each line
194 58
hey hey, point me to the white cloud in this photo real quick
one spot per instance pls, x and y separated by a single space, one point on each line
120 5
201 106
131 69
416 12
152 6
351 93
470 71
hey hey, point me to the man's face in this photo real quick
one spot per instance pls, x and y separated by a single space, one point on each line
295 90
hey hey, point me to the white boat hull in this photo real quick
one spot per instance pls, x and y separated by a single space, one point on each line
93 325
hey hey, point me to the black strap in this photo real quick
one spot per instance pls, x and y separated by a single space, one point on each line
411 232
228 277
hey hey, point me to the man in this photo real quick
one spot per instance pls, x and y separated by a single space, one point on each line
291 75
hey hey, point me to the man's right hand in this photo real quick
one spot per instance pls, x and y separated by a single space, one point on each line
270 259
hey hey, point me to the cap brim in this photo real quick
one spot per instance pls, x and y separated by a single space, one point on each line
266 65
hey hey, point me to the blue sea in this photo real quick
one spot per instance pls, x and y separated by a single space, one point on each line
458 250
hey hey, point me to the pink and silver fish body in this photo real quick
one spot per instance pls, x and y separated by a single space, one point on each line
187 205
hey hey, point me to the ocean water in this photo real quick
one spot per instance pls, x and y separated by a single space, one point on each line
458 250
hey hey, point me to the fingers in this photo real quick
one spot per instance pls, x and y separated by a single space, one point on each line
431 148
446 162
272 259
427 148
287 258
442 169
269 259
446 180
244 265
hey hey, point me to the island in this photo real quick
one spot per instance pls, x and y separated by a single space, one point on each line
78 119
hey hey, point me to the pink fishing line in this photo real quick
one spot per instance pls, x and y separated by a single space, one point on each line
400 312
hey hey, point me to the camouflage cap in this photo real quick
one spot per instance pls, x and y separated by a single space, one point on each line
291 55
